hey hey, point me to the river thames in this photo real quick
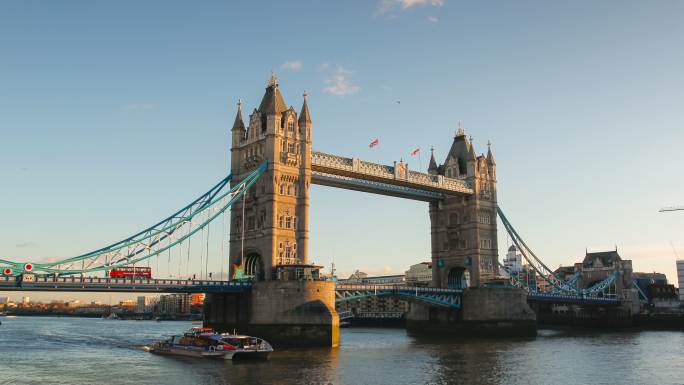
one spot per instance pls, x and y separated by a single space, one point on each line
37 350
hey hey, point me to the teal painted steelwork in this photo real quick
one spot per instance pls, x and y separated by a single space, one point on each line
216 198
435 296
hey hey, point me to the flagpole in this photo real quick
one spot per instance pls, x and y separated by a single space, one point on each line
420 163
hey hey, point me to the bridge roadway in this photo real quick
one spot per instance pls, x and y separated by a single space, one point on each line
28 282
94 284
343 292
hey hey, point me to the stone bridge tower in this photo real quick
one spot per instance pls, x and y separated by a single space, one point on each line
274 219
463 228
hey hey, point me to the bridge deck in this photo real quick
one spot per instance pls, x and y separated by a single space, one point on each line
356 174
92 284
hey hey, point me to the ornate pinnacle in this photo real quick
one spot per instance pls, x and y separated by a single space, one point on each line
273 81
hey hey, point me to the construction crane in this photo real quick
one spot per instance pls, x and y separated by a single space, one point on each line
671 208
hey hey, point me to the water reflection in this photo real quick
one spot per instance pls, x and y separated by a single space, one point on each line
78 351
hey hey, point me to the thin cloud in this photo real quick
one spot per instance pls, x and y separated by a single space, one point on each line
293 65
387 6
139 107
340 83
25 245
433 19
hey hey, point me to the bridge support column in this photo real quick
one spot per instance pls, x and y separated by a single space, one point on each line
486 312
285 313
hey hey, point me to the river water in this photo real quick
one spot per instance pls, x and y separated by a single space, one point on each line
37 350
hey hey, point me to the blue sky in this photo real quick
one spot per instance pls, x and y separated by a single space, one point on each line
114 114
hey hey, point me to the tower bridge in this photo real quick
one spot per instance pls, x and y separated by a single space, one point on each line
266 200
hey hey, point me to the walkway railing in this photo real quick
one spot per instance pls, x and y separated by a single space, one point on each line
398 174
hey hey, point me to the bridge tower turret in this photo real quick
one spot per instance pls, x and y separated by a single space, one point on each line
464 238
274 218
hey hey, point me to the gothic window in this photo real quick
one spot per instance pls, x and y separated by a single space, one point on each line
484 189
453 219
289 189
462 244
280 221
282 189
288 222
485 243
453 244
294 223
484 217
290 126
295 190
263 123
291 148
284 147
263 218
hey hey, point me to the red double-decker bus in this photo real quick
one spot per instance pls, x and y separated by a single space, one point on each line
130 271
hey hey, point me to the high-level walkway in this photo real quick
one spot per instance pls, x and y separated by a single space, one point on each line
397 180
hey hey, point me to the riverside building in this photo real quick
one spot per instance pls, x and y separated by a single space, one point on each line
680 278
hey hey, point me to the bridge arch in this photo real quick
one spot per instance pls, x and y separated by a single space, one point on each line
254 266
457 278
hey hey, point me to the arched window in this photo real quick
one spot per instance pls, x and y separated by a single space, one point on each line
290 126
289 189
453 219
282 189
280 221
288 222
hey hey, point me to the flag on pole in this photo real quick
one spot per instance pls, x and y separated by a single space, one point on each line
374 143
415 152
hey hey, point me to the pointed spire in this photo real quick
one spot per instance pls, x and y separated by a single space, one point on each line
471 150
239 124
272 103
304 116
273 81
433 163
490 157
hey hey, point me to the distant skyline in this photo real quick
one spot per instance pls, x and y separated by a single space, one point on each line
115 114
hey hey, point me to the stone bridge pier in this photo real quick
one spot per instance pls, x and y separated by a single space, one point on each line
286 314
485 312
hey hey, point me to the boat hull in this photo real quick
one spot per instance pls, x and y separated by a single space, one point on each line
185 351
247 355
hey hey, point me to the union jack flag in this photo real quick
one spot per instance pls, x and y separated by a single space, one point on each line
374 143
415 152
